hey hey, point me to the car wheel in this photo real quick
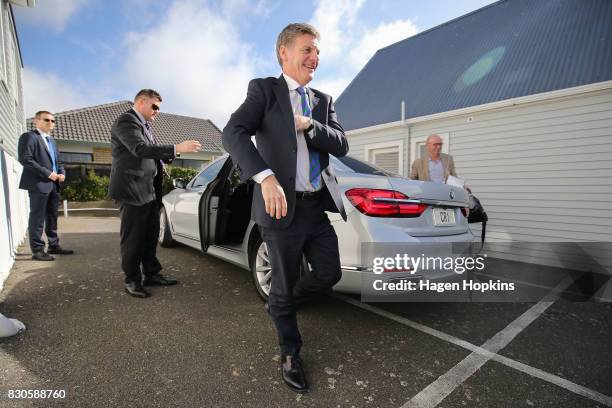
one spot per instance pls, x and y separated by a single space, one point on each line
165 236
261 268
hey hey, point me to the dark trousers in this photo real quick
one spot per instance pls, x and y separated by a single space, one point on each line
310 233
139 232
43 216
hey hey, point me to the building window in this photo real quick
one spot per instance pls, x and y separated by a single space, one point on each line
67 157
388 156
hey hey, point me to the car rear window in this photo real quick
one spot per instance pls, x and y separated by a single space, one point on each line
350 164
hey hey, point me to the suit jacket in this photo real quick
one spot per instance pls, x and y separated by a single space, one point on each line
136 171
267 114
36 161
420 167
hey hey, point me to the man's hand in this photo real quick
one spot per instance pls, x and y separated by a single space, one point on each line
188 146
53 176
274 197
301 122
61 178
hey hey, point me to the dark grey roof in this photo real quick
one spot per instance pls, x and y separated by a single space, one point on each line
93 124
508 49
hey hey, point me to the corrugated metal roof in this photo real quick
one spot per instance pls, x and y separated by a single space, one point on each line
508 49
93 124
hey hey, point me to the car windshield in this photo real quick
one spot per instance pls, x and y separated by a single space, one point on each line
352 165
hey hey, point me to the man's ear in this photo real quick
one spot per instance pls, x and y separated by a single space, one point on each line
282 52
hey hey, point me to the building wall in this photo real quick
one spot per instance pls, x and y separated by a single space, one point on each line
543 171
13 202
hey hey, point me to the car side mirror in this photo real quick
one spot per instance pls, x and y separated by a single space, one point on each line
178 183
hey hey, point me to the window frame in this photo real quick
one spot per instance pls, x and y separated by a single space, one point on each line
192 182
387 147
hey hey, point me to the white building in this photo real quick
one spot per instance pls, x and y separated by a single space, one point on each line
13 202
521 91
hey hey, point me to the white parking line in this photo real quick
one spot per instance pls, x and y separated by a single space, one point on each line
433 394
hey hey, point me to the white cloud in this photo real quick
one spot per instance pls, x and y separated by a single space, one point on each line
45 91
347 42
334 19
54 14
253 8
380 37
195 59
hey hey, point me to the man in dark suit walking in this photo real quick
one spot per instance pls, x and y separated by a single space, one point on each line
136 184
42 175
296 130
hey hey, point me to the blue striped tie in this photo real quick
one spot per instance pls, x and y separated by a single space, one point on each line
315 165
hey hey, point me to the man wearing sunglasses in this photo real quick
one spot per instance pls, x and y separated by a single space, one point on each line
42 175
136 184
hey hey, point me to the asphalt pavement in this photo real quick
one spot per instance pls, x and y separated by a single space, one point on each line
208 342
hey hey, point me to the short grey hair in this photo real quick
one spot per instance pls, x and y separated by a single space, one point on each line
430 137
290 33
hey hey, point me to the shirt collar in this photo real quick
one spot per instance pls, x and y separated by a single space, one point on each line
292 84
435 161
140 117
40 132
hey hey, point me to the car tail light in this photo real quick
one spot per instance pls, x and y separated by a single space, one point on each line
383 203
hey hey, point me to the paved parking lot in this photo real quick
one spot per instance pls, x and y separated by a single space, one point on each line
208 341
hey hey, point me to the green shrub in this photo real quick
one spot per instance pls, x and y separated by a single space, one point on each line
91 188
177 173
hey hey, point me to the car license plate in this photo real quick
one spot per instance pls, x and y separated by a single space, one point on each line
444 217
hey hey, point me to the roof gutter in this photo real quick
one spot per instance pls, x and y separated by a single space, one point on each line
521 100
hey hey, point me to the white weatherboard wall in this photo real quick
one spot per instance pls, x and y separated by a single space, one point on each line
542 167
12 124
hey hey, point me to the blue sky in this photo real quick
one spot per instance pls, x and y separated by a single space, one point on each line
200 54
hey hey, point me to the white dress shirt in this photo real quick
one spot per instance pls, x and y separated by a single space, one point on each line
44 138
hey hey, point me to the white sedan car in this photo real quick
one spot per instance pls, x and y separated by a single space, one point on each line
212 212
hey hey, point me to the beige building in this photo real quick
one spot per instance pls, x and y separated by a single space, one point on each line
83 136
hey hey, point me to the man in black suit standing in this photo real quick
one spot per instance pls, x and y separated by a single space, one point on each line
136 184
296 130
42 175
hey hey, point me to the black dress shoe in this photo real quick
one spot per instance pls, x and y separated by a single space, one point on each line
136 290
293 373
159 280
42 256
60 251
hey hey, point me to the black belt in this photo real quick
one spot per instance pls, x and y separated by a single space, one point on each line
308 195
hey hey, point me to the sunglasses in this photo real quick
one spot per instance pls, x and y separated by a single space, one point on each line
155 107
49 120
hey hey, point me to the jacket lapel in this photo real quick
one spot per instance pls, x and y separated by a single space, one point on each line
425 168
444 159
146 137
281 90
314 101
42 143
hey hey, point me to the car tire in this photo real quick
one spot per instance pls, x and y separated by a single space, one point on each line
261 269
165 236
